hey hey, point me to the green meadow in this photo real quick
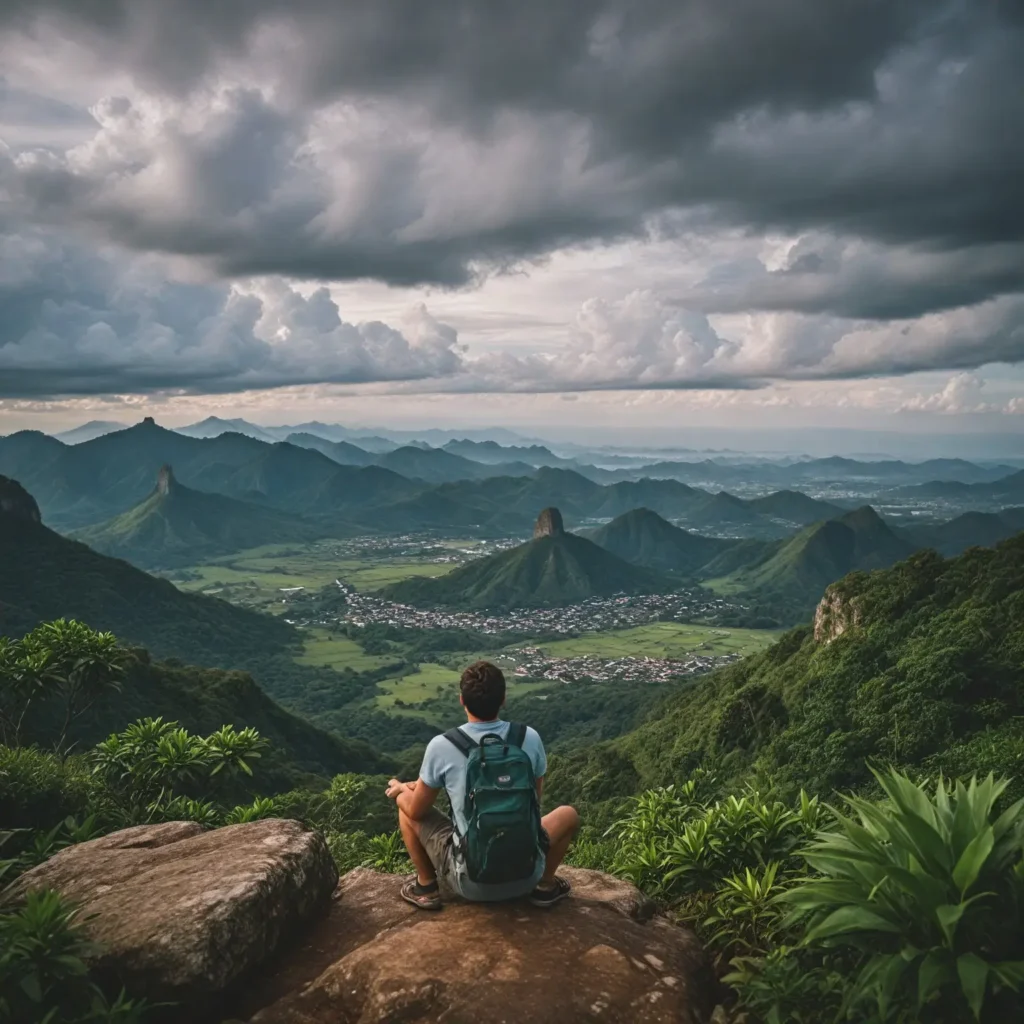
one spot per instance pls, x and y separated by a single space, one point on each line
663 640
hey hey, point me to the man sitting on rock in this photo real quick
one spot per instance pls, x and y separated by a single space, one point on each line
496 846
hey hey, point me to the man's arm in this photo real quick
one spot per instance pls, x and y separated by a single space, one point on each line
540 788
414 799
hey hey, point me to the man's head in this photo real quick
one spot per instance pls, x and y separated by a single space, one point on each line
483 690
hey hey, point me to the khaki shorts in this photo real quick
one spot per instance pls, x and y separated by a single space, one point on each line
436 831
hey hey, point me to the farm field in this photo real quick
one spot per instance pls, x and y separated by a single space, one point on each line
432 693
322 649
257 577
663 640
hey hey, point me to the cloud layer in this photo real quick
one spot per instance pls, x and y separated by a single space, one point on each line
232 149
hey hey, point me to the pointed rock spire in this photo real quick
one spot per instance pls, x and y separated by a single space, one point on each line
549 524
165 480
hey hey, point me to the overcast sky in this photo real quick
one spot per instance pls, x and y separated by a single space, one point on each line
651 214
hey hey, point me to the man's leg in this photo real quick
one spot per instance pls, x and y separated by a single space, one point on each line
428 843
425 871
561 825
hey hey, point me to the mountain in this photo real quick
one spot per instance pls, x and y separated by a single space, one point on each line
1008 489
177 526
495 454
723 510
918 665
16 503
972 529
666 497
555 568
794 507
644 538
46 576
435 465
342 452
214 426
802 567
87 431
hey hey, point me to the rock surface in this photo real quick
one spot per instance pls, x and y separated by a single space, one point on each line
165 480
835 614
179 913
601 955
549 524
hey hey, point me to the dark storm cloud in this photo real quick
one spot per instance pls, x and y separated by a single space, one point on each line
886 119
77 322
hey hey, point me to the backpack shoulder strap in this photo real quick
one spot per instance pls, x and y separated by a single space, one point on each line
516 734
458 739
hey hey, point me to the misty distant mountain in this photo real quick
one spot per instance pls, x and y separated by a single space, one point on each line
493 453
87 431
214 426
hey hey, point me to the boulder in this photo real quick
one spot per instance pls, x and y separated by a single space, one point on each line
601 955
179 913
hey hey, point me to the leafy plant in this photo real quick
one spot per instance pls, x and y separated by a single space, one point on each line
387 853
43 972
155 770
746 917
928 890
261 807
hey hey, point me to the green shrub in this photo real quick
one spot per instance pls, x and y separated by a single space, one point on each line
43 975
927 891
156 771
38 789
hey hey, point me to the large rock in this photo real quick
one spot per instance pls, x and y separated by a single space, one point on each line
179 913
549 524
599 956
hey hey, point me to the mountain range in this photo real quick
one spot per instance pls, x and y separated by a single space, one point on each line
799 569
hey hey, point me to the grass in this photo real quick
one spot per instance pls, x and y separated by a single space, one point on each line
431 682
323 649
663 640
263 571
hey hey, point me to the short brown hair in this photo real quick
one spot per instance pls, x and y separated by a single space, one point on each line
483 690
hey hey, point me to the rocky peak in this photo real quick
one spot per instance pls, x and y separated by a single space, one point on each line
549 524
148 421
16 502
165 480
836 613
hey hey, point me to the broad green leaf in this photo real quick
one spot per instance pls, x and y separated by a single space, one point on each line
849 919
973 973
1010 973
948 916
935 971
969 866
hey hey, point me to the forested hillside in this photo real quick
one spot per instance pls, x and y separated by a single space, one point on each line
919 665
46 576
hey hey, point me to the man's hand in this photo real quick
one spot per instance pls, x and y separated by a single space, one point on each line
395 787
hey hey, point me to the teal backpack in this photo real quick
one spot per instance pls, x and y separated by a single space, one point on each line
503 836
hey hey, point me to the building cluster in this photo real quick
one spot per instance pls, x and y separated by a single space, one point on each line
532 663
596 614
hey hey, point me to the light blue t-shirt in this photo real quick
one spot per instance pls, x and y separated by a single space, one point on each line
444 767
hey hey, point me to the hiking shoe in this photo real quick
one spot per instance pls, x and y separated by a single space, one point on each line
549 896
423 897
